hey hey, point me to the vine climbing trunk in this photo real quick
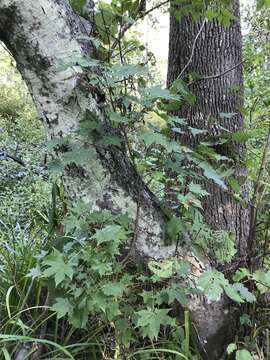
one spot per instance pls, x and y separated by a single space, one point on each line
47 39
213 52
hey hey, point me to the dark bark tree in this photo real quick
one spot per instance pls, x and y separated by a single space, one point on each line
41 35
213 52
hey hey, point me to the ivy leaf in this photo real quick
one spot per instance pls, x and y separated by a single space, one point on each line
120 71
162 270
175 292
150 321
111 140
62 307
113 311
243 355
211 284
231 348
232 293
241 274
110 233
151 138
210 173
245 320
197 189
262 280
156 92
115 289
195 131
244 293
57 267
214 283
227 115
175 226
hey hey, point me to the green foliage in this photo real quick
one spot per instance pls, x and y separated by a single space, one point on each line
101 303
151 320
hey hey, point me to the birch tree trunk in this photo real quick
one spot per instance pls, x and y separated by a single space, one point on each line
41 35
214 52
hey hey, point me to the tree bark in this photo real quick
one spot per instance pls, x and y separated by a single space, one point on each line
41 34
214 53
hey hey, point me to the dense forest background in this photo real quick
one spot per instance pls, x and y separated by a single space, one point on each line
70 287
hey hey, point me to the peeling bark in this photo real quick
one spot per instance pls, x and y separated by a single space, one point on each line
41 34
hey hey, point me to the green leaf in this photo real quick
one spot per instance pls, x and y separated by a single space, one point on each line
260 4
197 189
115 289
110 233
162 270
244 293
113 311
150 321
111 140
57 267
212 284
151 137
224 246
77 5
231 348
62 307
241 274
244 135
227 115
119 71
156 92
176 292
106 23
232 293
262 280
210 173
174 227
195 131
78 156
245 320
243 355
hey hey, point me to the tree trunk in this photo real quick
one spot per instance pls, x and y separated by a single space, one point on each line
214 53
41 35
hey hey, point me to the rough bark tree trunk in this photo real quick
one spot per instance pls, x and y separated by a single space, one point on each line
214 53
41 34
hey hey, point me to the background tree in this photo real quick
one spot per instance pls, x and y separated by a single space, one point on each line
208 55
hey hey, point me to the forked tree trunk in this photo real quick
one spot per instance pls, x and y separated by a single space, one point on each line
41 35
213 52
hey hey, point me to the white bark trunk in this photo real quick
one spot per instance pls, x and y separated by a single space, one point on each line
41 34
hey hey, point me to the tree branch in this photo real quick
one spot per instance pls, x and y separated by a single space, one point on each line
126 27
192 50
12 157
216 76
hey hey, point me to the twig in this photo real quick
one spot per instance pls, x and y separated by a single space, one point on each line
130 24
14 158
193 49
200 340
217 75
135 233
